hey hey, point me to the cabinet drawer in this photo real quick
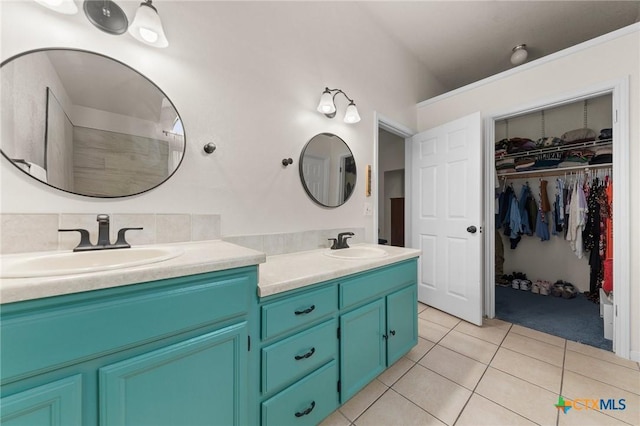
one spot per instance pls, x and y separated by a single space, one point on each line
116 319
294 312
307 402
376 283
298 355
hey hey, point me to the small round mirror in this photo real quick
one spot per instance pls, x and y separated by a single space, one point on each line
328 170
87 124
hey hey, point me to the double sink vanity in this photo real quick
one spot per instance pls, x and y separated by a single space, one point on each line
194 333
199 333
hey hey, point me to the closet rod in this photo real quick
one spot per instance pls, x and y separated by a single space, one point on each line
555 171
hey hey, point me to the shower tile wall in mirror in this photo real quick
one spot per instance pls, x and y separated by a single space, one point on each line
87 124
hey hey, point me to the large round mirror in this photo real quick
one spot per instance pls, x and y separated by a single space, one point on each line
328 170
87 124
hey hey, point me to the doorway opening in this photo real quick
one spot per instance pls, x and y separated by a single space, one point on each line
613 101
391 194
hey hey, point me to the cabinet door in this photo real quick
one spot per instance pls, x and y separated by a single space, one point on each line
362 347
402 323
58 403
200 381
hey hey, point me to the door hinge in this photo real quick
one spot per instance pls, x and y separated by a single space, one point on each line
616 119
338 332
339 388
249 343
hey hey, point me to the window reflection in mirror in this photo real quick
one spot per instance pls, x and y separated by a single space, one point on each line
328 170
87 124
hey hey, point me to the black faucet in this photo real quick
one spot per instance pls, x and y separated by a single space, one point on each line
341 241
103 236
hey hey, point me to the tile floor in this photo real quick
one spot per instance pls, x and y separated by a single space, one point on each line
498 374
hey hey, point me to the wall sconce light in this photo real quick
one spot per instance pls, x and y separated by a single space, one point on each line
147 27
327 105
107 16
519 55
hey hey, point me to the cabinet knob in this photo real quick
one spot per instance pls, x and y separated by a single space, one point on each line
392 332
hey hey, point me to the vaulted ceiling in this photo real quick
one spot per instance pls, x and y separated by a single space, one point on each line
464 41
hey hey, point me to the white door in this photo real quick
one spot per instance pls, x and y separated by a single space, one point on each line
446 208
316 175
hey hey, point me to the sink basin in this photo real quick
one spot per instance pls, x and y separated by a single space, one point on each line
357 253
69 263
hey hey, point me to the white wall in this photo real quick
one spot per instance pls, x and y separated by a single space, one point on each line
614 59
246 76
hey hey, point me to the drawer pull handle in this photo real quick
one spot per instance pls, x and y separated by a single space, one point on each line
306 311
307 355
307 411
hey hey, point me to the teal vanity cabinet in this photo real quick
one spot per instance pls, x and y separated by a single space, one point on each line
321 344
299 356
167 352
378 323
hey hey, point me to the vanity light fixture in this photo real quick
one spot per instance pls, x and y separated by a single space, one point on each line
107 16
327 105
68 7
519 55
147 27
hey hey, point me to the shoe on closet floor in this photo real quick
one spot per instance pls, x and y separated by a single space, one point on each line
525 285
535 287
569 291
515 284
502 281
558 288
545 288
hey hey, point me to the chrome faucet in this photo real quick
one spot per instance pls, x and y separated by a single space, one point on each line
341 241
103 236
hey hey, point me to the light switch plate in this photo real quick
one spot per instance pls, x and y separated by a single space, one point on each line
368 209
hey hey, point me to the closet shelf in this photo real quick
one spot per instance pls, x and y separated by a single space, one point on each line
554 171
560 148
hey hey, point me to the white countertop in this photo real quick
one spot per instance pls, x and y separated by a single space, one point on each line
295 270
197 257
277 274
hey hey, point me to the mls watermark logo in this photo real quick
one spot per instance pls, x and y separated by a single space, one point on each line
590 404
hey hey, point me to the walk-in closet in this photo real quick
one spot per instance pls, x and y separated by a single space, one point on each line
554 237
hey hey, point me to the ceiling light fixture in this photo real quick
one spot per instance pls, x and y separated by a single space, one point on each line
327 106
68 7
106 16
519 55
147 27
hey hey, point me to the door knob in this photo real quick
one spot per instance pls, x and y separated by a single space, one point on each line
472 229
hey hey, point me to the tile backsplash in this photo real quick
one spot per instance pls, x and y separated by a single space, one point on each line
20 233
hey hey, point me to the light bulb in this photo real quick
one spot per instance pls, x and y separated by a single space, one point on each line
149 35
68 7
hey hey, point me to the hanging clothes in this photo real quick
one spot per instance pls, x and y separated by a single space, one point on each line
525 193
542 223
558 208
515 224
591 237
577 220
